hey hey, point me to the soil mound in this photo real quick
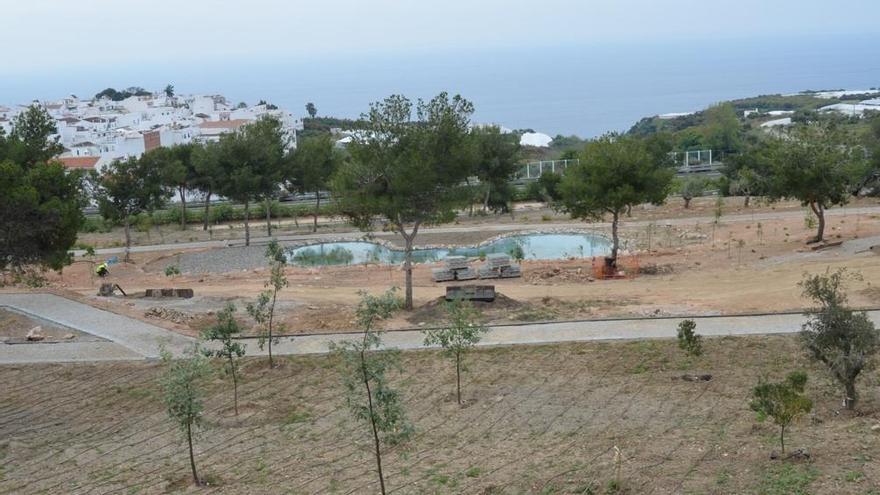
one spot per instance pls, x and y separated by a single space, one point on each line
435 311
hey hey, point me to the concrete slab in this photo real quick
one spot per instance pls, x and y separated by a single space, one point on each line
138 337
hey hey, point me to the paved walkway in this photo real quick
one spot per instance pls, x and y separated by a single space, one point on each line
133 339
128 338
499 228
579 331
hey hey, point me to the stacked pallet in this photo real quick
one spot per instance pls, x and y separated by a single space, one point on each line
456 268
499 266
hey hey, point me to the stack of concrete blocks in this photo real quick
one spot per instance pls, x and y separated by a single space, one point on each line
499 266
456 269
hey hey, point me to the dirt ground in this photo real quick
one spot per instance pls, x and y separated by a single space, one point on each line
542 419
529 213
14 328
740 265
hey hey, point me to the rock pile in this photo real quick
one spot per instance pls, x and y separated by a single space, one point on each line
168 314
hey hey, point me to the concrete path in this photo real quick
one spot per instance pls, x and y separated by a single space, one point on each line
133 339
128 338
579 331
498 228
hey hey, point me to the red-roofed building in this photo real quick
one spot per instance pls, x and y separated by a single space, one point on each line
79 162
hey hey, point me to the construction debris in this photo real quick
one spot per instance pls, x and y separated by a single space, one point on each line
158 293
168 314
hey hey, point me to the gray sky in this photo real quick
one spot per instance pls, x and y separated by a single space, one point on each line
38 34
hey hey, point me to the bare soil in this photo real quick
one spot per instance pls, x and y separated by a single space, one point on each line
15 326
739 265
542 419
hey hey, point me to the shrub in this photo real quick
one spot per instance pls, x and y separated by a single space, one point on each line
688 340
517 253
95 224
784 402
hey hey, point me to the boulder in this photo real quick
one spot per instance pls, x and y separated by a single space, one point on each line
35 334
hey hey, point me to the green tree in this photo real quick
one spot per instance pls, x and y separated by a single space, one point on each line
846 341
251 162
311 109
315 160
462 332
748 173
498 160
225 332
40 213
546 188
169 90
127 188
408 171
364 368
209 174
723 131
183 395
785 401
690 188
33 138
263 311
614 174
813 166
40 202
177 168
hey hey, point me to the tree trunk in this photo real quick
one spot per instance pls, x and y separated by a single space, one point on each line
317 210
127 238
820 212
615 240
247 227
269 217
407 267
234 385
782 438
687 203
192 459
376 444
486 198
207 210
458 378
182 192
407 261
746 201
271 317
850 400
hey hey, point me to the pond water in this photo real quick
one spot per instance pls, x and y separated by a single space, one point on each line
534 247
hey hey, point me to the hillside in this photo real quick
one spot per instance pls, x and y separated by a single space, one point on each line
727 126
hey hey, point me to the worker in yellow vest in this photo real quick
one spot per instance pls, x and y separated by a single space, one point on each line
102 270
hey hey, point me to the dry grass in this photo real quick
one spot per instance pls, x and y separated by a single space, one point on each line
541 419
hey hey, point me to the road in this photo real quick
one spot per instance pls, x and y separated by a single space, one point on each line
130 339
499 228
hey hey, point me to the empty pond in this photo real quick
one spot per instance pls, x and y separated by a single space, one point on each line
534 247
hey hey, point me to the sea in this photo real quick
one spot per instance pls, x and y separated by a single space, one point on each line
583 90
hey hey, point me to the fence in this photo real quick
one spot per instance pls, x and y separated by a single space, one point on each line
533 170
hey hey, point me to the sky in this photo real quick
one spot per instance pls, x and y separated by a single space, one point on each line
57 34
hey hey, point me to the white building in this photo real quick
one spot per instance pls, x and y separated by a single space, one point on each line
110 130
